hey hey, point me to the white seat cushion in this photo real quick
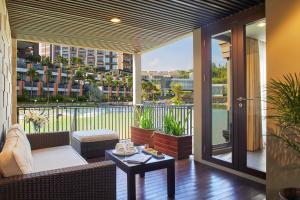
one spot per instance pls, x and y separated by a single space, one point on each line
56 158
95 135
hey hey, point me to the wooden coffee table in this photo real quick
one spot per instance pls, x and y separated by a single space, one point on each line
153 164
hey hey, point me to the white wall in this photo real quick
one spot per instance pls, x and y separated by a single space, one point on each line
283 56
5 70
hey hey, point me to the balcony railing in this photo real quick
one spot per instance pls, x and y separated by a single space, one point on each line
119 118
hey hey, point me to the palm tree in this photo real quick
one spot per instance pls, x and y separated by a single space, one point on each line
122 84
45 61
60 60
129 83
48 74
79 76
76 61
116 83
177 90
109 82
31 73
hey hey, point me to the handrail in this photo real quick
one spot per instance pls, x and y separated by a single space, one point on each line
118 117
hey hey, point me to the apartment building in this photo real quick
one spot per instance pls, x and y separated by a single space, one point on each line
102 59
105 61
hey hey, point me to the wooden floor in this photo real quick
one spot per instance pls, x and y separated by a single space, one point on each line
193 181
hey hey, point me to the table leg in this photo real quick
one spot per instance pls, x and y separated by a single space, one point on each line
130 186
171 180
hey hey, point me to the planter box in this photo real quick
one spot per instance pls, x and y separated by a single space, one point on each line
179 147
140 136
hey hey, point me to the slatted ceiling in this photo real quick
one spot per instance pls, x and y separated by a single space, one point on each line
145 24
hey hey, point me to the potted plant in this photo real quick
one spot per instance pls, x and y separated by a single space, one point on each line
284 100
171 140
142 133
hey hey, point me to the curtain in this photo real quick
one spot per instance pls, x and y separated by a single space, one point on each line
263 83
254 118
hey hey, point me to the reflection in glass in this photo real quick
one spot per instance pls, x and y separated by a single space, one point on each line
221 96
256 103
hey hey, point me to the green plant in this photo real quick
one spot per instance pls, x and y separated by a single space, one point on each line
58 97
146 119
177 90
45 61
172 126
33 58
284 100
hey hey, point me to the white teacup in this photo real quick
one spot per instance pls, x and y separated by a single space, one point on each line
120 148
129 145
130 149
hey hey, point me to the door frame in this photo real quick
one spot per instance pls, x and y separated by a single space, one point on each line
235 23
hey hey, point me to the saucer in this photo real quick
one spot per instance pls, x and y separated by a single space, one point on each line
126 153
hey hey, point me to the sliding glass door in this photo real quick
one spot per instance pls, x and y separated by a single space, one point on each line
221 107
234 126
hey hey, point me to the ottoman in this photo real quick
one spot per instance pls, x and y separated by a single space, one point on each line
93 143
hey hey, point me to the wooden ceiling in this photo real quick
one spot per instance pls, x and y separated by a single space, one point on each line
145 24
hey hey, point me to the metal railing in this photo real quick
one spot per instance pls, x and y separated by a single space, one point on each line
116 117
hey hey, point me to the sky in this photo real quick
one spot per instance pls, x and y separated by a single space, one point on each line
176 56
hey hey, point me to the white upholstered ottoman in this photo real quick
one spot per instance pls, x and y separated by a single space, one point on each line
93 143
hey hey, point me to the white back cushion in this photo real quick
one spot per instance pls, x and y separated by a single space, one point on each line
16 157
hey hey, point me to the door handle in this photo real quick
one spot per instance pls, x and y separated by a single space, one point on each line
241 99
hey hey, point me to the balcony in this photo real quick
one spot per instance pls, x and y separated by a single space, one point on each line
113 117
143 26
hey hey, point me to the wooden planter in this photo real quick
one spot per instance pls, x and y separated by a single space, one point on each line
140 136
179 147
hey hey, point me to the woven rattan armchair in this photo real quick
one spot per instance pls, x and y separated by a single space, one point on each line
90 181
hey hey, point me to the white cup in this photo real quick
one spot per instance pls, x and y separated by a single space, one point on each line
120 147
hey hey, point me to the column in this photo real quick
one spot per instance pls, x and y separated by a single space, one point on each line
137 79
197 69
14 81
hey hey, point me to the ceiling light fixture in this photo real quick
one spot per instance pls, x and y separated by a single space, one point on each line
261 24
115 20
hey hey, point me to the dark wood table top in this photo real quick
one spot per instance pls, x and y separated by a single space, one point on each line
150 165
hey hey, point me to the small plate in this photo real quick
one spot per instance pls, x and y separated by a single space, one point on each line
154 155
126 153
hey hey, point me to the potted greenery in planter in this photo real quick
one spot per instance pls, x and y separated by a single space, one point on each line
171 140
142 133
284 100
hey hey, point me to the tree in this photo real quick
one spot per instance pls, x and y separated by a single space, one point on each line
116 84
33 58
177 90
45 61
31 73
129 82
79 76
109 82
59 60
48 74
183 74
149 90
76 61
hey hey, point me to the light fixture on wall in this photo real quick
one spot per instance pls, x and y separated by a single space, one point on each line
261 24
115 20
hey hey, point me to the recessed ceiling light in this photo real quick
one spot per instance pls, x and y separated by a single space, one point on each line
115 20
262 24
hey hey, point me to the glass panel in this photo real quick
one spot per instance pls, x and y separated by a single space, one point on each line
256 95
221 96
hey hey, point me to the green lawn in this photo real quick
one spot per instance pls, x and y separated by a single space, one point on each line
118 121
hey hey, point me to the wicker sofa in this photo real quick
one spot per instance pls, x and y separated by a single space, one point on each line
88 181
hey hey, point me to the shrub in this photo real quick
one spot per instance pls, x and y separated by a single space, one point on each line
146 119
